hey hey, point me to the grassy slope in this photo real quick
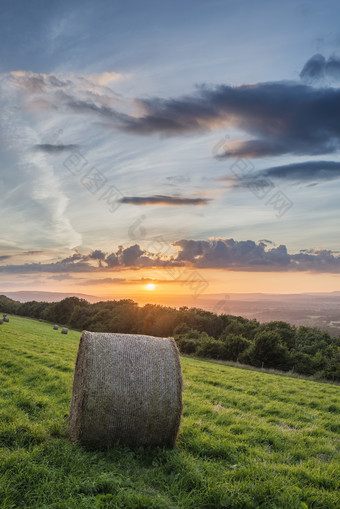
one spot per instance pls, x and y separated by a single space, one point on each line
247 439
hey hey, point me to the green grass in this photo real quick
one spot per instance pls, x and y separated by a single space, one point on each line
247 439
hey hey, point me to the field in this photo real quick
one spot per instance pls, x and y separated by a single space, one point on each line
247 439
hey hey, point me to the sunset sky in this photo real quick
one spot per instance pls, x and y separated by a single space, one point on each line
191 145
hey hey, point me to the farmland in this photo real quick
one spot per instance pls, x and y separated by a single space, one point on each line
247 439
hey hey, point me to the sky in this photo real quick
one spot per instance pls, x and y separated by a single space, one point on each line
191 146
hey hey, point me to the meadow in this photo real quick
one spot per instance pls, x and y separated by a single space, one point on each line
247 440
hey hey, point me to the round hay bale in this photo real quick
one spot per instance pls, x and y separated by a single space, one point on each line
4 315
55 327
64 330
6 319
1 321
127 388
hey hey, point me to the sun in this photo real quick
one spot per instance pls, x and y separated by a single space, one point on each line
150 286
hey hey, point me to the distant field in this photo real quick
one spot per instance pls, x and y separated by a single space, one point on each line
247 439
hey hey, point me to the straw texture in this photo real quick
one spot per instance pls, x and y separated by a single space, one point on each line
127 388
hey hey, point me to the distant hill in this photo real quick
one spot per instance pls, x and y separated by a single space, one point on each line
26 296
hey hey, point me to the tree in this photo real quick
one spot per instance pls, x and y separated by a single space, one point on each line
269 352
234 346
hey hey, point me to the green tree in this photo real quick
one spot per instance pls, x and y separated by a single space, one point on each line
269 352
234 346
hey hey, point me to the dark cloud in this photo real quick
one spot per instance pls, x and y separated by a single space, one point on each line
249 256
131 256
112 260
163 200
318 68
226 254
307 172
55 149
134 256
5 257
278 118
97 254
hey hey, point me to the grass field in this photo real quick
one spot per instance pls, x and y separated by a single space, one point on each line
247 439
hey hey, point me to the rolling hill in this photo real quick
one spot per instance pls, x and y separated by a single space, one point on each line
247 439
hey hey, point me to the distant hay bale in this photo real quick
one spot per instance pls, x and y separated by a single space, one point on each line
127 388
64 330
55 327
4 315
6 319
1 321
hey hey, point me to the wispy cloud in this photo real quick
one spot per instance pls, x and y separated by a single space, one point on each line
276 118
34 191
4 257
61 277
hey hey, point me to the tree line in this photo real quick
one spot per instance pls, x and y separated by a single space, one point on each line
277 344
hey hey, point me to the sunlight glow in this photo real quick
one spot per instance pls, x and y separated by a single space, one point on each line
150 286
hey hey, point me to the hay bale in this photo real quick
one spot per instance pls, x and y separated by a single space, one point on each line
127 388
4 315
6 319
55 327
1 321
64 330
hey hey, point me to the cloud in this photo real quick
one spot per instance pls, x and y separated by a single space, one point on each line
179 179
250 256
135 256
163 200
307 172
55 149
279 118
317 69
223 254
57 267
104 281
34 192
130 257
61 277
266 241
276 118
97 254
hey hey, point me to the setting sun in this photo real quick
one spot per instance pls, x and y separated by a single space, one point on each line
150 286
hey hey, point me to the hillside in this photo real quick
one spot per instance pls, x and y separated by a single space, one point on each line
309 309
247 439
276 344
